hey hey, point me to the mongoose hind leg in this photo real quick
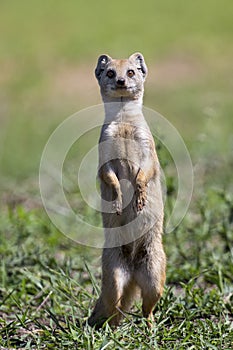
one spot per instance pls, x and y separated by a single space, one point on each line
114 281
151 278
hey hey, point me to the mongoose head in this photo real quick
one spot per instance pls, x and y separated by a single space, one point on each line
121 78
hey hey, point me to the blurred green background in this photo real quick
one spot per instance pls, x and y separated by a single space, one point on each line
48 52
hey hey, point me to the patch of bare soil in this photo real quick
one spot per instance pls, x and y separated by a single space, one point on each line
78 81
175 71
67 82
74 82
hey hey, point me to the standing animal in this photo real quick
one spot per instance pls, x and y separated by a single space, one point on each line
133 257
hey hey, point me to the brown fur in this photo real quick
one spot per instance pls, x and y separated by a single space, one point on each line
133 258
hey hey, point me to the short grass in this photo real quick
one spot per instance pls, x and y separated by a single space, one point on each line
48 283
48 289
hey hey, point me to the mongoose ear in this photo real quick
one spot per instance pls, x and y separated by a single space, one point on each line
101 64
138 59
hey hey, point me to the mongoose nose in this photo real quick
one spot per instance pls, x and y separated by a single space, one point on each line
120 82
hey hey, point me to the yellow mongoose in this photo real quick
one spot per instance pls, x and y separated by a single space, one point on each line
132 208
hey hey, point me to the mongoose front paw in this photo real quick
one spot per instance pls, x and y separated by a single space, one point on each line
117 206
140 197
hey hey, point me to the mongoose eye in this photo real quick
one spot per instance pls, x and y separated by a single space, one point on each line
130 73
111 74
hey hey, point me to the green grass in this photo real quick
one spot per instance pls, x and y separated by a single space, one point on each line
48 283
48 291
84 29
